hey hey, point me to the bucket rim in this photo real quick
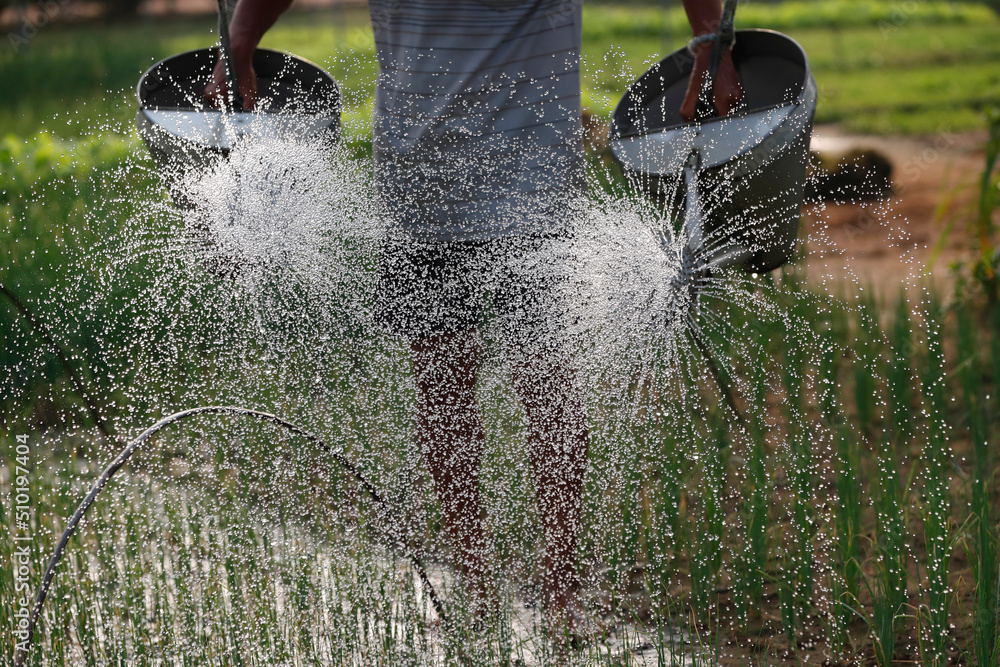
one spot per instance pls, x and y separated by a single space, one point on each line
208 49
626 102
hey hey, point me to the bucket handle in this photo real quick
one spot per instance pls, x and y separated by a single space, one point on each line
724 36
233 99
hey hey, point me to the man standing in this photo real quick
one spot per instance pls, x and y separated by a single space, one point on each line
479 163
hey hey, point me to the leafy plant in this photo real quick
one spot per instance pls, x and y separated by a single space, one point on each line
984 537
979 275
936 506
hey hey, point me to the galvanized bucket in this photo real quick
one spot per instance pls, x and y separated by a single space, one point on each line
758 154
297 100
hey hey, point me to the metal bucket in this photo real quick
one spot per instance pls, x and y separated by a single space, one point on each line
758 153
297 100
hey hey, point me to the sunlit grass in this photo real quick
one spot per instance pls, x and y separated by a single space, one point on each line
918 75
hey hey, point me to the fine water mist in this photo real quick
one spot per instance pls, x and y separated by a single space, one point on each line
260 294
253 281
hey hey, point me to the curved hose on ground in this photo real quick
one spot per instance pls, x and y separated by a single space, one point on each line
113 467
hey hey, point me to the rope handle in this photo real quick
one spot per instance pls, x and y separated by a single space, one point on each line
698 40
724 37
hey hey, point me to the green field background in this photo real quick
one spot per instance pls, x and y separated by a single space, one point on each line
883 67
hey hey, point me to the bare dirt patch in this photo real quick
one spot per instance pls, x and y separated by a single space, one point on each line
887 243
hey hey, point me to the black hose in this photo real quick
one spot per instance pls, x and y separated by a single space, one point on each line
22 653
43 332
720 380
226 55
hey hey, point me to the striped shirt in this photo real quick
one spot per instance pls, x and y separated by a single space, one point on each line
477 115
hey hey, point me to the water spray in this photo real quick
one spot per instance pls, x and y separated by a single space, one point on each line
296 101
697 264
132 446
752 160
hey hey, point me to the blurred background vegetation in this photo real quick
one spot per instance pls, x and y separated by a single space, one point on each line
882 66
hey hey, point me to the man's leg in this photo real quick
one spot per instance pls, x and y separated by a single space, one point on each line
557 442
449 433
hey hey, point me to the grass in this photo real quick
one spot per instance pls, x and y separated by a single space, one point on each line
219 566
983 538
936 505
226 583
845 581
745 537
